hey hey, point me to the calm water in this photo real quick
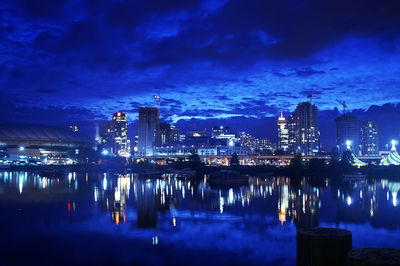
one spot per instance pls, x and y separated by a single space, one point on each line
122 219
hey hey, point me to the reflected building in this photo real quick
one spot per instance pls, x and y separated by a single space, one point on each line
283 203
304 204
147 216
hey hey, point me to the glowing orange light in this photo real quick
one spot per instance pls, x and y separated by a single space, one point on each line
118 114
69 206
117 219
124 219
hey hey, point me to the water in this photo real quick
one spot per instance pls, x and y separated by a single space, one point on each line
92 218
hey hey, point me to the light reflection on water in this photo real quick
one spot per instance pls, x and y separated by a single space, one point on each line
256 222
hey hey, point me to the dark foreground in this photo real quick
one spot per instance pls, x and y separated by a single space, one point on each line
122 219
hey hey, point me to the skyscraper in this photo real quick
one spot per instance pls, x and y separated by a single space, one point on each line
303 130
283 133
114 135
347 129
168 134
369 138
149 124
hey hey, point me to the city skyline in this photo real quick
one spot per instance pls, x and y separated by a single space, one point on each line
195 132
78 61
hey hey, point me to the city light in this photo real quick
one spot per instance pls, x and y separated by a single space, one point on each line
21 148
349 200
104 152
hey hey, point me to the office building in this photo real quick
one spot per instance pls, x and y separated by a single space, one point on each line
369 138
347 129
283 133
149 125
303 130
168 134
114 137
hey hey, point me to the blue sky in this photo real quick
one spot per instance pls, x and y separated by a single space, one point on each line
81 60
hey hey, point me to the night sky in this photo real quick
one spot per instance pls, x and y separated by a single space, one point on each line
213 62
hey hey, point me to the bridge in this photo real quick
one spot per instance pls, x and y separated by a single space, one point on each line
243 159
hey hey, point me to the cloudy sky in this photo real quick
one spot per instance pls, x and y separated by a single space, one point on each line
233 62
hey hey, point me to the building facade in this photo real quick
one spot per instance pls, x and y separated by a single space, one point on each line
149 125
168 134
283 133
347 128
304 137
114 137
369 138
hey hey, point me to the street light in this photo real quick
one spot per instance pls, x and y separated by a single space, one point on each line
394 143
348 143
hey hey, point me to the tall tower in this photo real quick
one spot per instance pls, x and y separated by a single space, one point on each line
347 129
303 130
283 133
149 123
115 135
369 138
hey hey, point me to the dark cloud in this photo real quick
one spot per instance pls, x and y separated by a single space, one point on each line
45 91
43 8
308 71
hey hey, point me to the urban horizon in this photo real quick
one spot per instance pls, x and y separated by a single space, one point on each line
200 132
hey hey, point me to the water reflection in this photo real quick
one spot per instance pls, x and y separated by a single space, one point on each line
175 208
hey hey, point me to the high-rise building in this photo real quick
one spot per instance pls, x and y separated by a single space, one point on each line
369 138
168 134
149 124
347 129
114 135
283 133
291 125
303 130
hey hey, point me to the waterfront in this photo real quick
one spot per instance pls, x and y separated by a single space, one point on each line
123 219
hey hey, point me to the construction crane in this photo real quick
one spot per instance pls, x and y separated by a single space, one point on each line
311 94
343 104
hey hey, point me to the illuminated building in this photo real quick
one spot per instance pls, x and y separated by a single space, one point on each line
369 138
347 129
74 128
247 140
291 133
196 134
283 133
149 123
264 146
393 158
115 135
303 130
37 144
168 134
218 130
